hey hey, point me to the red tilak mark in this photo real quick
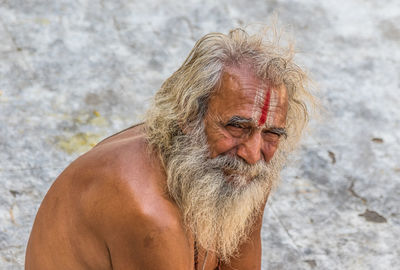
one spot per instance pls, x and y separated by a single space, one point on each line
264 111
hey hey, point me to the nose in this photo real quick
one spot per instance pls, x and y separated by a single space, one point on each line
250 148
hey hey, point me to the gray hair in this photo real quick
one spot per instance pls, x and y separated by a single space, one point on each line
182 99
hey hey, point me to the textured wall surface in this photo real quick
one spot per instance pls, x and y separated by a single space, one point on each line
75 71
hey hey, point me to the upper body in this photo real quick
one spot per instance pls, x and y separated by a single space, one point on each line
184 194
110 210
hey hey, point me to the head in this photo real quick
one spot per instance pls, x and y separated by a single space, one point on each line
246 116
222 125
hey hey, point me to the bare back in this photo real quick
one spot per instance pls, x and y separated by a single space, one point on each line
113 193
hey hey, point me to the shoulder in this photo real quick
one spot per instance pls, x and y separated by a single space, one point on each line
121 175
126 204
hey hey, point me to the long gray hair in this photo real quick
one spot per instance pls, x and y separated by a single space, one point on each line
183 98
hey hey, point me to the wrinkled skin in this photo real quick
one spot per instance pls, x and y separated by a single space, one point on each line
252 141
109 209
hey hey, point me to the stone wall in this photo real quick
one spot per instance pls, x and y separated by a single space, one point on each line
74 71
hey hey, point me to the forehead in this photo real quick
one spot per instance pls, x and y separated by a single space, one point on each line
242 94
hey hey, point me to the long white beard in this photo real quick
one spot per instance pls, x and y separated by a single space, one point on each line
219 212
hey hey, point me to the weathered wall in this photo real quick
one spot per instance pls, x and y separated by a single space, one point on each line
75 71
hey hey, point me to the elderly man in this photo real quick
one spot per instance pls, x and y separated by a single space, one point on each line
187 188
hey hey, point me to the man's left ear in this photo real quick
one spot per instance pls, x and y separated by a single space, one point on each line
187 127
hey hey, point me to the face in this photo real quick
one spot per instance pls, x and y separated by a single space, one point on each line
246 117
220 196
218 207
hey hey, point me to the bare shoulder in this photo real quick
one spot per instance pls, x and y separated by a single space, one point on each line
127 205
112 206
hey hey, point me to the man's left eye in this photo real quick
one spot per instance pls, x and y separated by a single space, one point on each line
271 136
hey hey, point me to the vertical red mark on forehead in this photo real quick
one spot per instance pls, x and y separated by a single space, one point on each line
265 109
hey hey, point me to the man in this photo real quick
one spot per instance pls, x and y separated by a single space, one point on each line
187 188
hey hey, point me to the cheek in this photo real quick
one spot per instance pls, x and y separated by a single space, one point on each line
220 143
269 150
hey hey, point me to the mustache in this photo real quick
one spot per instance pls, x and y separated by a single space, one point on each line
236 165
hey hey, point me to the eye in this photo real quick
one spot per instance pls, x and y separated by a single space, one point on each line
271 137
236 130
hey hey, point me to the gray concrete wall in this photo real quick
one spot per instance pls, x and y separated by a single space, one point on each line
75 71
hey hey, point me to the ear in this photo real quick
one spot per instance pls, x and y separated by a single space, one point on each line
200 118
185 128
192 126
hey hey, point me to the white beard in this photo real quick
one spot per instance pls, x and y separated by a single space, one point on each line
219 212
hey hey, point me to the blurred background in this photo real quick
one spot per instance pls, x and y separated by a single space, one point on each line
75 71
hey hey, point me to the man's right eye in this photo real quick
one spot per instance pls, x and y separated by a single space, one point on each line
235 130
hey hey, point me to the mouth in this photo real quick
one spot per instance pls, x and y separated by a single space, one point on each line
230 172
250 173
231 176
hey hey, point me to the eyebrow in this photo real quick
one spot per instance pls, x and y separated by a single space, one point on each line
279 131
238 120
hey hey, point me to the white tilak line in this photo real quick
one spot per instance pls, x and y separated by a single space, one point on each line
258 103
273 102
